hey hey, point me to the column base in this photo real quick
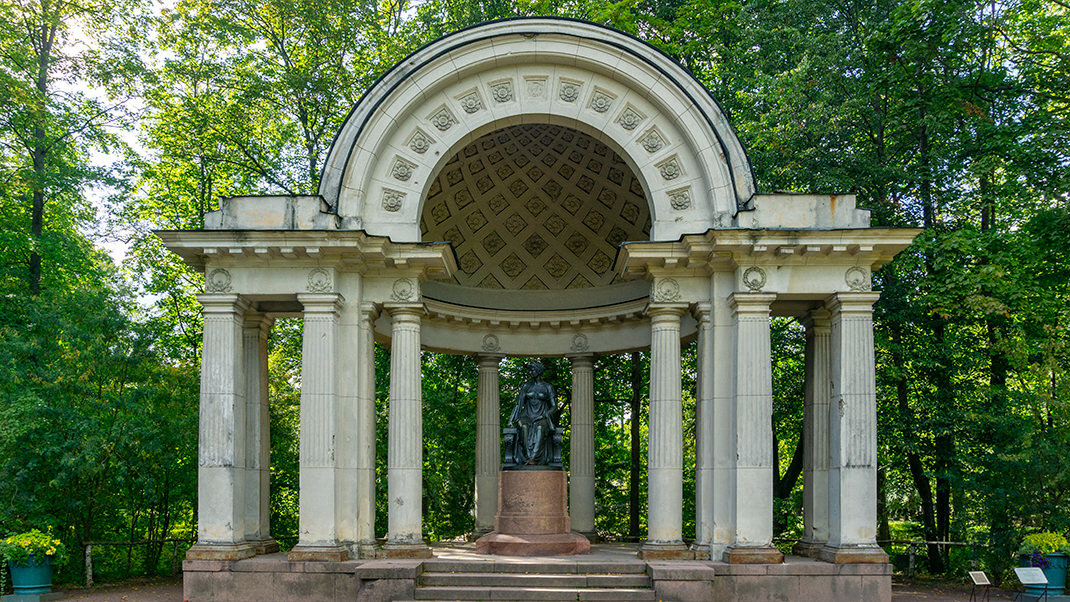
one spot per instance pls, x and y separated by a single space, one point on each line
665 551
477 533
368 549
405 550
701 551
266 546
807 548
221 551
306 552
747 555
871 554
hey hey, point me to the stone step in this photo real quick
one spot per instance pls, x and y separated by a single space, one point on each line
602 580
534 566
532 593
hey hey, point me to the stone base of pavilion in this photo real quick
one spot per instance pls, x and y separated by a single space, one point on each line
456 572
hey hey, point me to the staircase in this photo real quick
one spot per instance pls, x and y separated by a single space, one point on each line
450 580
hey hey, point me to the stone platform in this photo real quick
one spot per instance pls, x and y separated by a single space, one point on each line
609 572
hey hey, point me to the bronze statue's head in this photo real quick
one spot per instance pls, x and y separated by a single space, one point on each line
535 369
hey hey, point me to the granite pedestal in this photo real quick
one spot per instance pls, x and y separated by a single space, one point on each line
532 517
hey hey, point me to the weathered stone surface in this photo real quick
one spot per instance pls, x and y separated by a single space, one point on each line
768 555
550 544
400 551
532 502
853 555
221 551
651 551
302 553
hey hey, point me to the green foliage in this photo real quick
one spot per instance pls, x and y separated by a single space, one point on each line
1044 543
20 547
950 116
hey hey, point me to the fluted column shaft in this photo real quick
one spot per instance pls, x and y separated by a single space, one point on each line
256 328
581 445
852 424
815 434
317 507
221 473
754 431
704 430
365 461
488 442
665 440
405 433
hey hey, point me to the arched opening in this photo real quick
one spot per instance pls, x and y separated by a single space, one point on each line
535 207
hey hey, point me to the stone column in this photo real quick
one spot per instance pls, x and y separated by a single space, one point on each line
753 541
488 443
724 402
815 435
581 446
704 434
221 473
317 531
665 440
405 436
852 435
365 461
258 434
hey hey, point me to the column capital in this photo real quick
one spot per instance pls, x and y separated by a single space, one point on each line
255 319
370 311
581 360
488 360
817 319
404 311
321 302
222 303
751 303
840 303
666 310
703 312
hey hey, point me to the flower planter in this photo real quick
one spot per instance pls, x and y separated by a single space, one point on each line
32 576
1056 574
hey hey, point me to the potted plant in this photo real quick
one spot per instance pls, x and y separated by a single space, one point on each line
30 558
1048 552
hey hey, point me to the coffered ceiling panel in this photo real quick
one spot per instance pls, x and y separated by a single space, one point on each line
535 207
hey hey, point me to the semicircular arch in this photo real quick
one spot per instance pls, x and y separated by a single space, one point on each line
653 113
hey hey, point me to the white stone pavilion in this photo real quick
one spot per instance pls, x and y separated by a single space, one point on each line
539 187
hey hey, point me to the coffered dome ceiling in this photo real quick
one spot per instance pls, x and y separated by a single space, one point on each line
535 207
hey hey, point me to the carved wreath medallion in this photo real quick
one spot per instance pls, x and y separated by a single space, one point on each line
319 280
579 343
666 290
754 278
491 343
857 279
404 290
652 141
217 281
